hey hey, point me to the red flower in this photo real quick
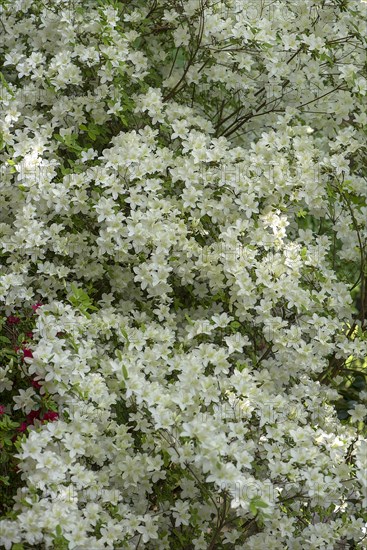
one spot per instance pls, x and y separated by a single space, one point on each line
23 427
36 384
32 415
29 335
2 409
27 353
51 416
12 320
36 306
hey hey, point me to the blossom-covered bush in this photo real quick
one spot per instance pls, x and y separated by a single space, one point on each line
184 190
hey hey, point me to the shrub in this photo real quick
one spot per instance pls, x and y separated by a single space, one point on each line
183 190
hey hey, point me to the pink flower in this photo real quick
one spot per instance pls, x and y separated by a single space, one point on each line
36 306
2 409
12 320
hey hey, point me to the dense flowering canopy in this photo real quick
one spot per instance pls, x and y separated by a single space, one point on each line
184 191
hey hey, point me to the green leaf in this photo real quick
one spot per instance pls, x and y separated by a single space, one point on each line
235 325
9 353
7 424
241 366
304 253
257 503
4 480
301 213
124 372
261 504
81 300
253 508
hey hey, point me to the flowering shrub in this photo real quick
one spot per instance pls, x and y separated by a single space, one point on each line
184 189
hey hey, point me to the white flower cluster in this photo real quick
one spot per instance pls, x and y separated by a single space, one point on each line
197 169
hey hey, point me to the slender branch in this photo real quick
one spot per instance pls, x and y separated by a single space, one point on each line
177 87
320 97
